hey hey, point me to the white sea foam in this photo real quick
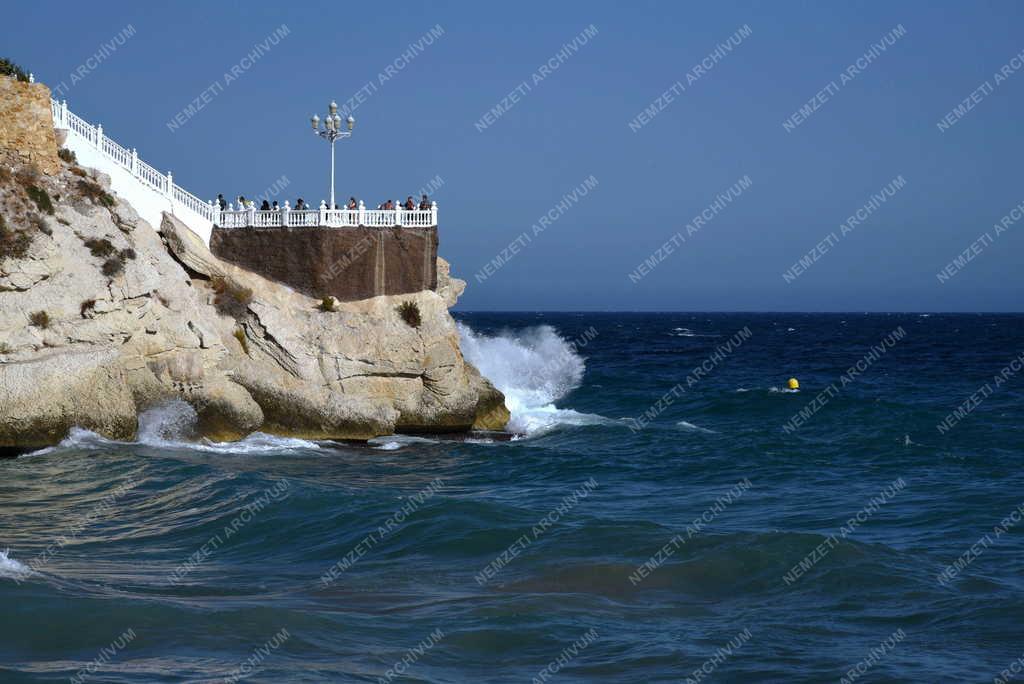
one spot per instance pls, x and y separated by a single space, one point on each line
773 390
174 425
12 568
695 428
392 442
534 368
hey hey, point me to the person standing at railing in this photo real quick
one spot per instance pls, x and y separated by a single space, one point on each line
409 203
352 203
265 206
300 205
221 202
424 202
275 207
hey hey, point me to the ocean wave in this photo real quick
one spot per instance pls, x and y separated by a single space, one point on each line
770 390
174 425
695 428
686 332
12 568
534 368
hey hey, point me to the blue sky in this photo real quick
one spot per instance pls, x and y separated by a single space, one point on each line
421 123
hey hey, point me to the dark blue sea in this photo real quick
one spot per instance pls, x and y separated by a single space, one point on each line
668 511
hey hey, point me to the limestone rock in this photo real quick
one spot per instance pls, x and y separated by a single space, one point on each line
448 287
45 397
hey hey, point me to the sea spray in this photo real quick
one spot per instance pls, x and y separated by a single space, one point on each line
11 568
175 424
172 421
534 368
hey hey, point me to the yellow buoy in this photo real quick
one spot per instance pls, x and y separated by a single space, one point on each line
793 383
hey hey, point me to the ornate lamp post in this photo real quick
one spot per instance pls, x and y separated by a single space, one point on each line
331 132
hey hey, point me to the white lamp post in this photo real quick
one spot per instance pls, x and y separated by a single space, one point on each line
331 132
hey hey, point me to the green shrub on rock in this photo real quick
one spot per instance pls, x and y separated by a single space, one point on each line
410 313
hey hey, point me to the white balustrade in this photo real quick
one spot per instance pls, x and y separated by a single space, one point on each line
241 217
329 218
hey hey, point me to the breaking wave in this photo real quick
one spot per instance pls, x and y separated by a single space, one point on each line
10 567
175 425
534 368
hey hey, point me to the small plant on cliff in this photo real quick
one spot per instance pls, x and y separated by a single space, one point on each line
328 304
410 313
100 248
230 298
96 193
5 348
14 244
40 197
67 155
40 319
112 267
9 68
5 175
127 254
87 306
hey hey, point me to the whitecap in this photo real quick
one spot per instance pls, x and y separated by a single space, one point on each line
399 440
12 568
392 442
695 428
77 438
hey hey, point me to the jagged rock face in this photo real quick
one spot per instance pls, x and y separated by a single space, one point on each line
26 125
170 320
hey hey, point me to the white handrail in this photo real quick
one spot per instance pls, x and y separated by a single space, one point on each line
243 217
62 118
328 218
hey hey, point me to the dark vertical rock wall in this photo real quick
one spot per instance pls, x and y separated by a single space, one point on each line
347 263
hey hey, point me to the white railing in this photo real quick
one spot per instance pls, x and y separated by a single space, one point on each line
243 217
329 218
129 160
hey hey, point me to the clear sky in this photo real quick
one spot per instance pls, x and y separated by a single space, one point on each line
426 120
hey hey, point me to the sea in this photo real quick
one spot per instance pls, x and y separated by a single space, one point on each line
664 508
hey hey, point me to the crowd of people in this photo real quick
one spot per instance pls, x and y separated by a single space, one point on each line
300 204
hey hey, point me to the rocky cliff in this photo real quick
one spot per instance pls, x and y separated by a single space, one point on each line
103 315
